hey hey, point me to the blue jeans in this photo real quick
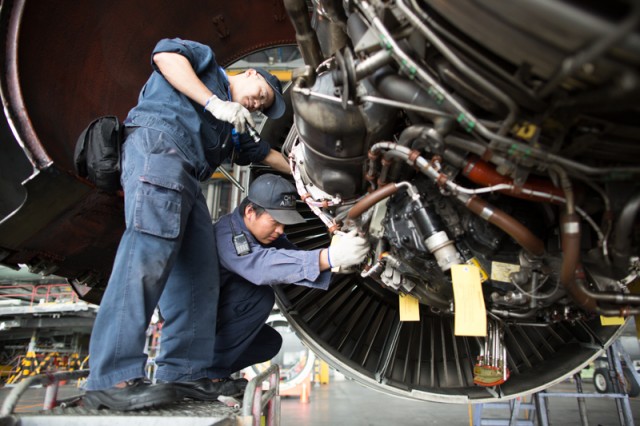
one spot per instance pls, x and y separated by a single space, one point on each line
167 254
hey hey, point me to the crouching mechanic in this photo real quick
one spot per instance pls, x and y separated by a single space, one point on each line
255 254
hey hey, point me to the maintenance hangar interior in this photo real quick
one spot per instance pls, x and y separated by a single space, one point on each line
487 151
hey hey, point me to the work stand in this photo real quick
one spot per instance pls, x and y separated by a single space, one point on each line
536 413
259 406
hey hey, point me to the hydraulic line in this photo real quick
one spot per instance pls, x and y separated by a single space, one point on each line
573 63
480 207
482 173
502 220
469 122
462 67
371 199
508 188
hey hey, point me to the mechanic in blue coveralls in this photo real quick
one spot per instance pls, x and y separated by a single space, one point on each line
180 131
255 254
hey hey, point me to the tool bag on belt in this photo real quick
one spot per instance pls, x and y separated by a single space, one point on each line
97 153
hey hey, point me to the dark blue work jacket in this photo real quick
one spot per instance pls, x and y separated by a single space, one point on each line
204 140
279 262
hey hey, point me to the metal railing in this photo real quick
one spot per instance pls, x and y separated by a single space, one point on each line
258 401
50 380
37 294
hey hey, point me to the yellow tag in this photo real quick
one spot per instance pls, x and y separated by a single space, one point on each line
409 308
611 320
527 131
483 274
501 271
470 312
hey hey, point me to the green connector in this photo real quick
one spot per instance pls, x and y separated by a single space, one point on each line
436 95
467 123
387 45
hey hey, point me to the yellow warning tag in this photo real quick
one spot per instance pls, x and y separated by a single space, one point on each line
409 308
470 312
501 271
611 320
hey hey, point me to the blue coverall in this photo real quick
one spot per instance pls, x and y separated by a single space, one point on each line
246 296
167 254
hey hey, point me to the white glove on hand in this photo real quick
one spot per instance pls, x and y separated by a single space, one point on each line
231 112
347 250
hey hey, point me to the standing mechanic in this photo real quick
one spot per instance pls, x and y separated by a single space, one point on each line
180 131
254 254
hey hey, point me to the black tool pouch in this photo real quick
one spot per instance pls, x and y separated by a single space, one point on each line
98 152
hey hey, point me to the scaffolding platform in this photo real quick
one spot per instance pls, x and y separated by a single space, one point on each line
257 407
536 412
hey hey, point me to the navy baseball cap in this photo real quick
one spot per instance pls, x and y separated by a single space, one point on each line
277 196
277 108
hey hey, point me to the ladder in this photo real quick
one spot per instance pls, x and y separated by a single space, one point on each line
258 406
538 411
512 406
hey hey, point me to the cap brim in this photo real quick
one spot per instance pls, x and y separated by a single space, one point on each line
286 217
277 109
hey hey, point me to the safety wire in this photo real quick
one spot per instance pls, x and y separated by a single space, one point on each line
302 190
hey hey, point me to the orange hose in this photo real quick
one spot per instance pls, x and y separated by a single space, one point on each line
483 173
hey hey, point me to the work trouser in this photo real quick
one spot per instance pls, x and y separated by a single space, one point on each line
242 337
167 252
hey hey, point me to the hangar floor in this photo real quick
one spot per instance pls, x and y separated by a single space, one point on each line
344 402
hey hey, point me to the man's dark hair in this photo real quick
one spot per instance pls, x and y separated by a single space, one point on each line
256 208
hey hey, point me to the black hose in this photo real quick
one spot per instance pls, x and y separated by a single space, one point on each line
623 232
403 90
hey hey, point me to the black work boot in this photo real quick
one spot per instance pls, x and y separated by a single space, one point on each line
137 394
207 390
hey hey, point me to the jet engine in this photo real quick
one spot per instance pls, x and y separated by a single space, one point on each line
471 135
500 139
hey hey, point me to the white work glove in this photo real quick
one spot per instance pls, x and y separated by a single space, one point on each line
231 112
347 250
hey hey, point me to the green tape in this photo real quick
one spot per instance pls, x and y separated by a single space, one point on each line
467 123
436 95
387 45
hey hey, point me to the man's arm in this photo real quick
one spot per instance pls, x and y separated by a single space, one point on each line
270 265
323 254
277 161
179 73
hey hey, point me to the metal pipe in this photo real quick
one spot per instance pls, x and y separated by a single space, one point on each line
570 232
621 248
305 35
573 63
467 120
512 314
607 296
462 67
492 214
